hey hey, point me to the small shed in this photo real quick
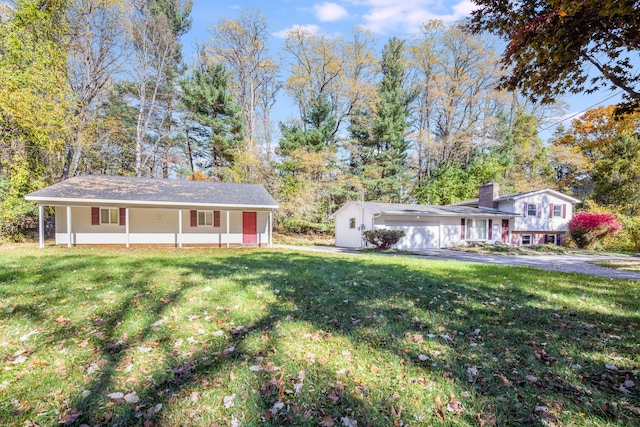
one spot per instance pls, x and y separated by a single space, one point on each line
115 210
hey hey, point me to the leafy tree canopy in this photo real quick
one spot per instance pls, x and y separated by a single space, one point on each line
553 45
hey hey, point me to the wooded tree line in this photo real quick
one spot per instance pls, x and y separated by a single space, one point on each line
101 87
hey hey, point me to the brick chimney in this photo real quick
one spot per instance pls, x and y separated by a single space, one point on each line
489 191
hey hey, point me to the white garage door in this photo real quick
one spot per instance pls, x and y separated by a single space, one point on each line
423 235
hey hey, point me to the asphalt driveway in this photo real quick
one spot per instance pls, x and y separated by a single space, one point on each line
565 263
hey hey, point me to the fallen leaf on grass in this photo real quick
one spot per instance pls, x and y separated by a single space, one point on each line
454 406
131 397
327 421
63 321
471 374
228 401
334 398
71 417
116 395
159 322
18 360
505 380
276 407
416 338
543 357
348 422
486 420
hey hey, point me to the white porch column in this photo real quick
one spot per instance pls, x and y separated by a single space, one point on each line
227 228
41 225
180 228
270 229
69 234
126 226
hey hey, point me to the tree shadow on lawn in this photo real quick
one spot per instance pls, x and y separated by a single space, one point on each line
537 359
428 325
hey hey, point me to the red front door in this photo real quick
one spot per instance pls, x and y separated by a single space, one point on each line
505 231
249 228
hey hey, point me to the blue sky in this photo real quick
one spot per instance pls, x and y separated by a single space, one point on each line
385 18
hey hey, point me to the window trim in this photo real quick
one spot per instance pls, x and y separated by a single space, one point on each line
204 217
352 223
535 209
470 227
110 216
530 236
557 214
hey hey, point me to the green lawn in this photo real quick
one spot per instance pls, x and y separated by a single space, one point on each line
264 337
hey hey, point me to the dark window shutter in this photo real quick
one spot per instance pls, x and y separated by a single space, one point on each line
123 216
95 216
462 229
524 211
216 218
194 218
551 210
490 229
539 210
564 211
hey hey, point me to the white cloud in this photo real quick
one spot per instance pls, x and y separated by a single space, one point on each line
384 16
313 29
330 12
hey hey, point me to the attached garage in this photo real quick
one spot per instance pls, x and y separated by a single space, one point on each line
418 235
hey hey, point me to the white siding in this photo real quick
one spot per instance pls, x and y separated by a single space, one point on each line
450 232
155 226
351 237
543 221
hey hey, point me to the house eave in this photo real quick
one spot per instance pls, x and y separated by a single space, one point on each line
142 203
558 194
452 214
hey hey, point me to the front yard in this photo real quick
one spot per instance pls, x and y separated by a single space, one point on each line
268 337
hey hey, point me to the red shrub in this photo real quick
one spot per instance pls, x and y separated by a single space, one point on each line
587 228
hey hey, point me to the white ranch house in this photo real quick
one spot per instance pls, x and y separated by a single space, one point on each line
520 219
110 210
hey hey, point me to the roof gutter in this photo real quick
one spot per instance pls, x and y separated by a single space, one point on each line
142 203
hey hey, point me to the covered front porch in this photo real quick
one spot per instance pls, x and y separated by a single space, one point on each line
189 226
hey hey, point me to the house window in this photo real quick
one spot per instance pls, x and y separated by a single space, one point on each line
476 229
551 239
205 218
526 240
352 223
109 215
532 209
557 211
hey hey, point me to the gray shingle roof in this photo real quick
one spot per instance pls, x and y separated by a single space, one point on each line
138 191
429 210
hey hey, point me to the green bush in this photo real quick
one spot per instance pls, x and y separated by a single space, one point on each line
383 238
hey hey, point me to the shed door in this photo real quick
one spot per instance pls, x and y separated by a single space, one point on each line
249 228
424 235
